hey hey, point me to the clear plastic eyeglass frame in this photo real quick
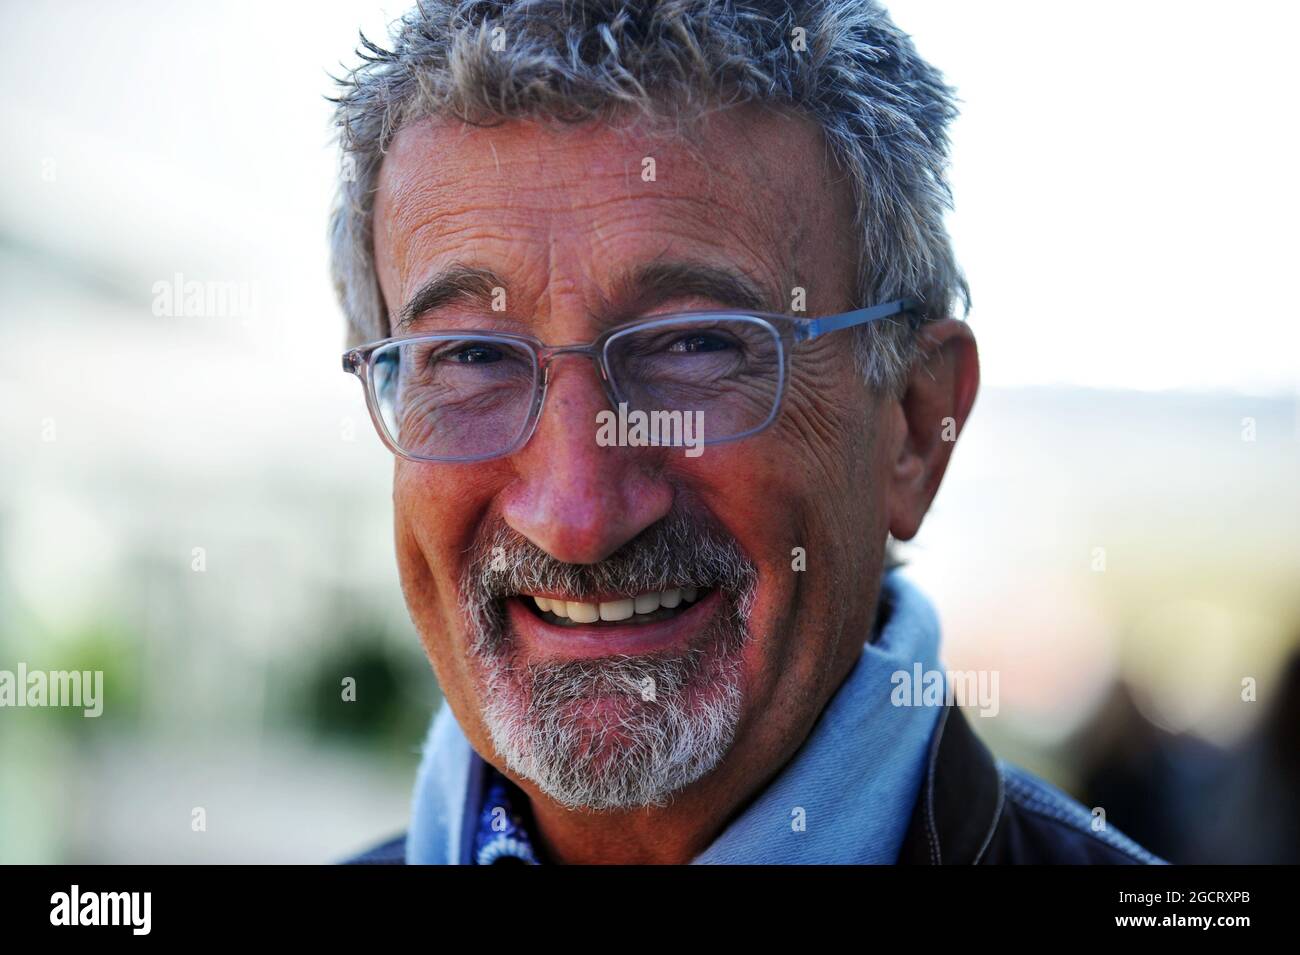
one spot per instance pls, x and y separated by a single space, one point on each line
786 331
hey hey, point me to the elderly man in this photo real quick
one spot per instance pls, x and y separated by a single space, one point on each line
654 304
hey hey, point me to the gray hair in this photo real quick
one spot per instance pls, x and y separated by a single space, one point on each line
842 63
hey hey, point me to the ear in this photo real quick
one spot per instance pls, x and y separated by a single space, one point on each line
930 413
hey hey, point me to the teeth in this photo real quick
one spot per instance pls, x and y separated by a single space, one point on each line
583 613
616 609
613 610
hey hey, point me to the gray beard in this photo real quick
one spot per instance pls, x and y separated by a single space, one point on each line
617 732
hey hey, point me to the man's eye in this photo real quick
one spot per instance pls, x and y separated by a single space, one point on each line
477 354
698 343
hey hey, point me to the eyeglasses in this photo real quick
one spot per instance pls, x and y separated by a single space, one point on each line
475 395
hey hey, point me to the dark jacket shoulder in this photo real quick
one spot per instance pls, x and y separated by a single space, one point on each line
975 809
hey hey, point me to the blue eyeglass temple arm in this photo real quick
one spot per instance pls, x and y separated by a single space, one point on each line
833 323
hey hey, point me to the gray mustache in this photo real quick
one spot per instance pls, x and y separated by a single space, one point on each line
677 551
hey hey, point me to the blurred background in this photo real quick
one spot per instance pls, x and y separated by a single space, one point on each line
193 500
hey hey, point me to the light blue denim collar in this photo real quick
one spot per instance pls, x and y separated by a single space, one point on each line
845 797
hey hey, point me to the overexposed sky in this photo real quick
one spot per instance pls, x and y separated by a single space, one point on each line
1125 212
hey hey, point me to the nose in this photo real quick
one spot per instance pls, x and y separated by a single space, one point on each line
574 499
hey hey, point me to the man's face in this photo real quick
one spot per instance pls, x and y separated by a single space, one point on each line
780 534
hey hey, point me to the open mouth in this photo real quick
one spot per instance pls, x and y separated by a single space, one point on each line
551 626
645 608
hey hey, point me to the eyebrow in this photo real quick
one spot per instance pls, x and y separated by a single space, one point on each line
635 290
456 283
647 285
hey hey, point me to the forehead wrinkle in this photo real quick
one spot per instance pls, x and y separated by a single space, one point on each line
767 234
681 237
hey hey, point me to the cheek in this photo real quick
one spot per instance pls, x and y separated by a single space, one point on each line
806 500
436 511
827 455
766 495
782 512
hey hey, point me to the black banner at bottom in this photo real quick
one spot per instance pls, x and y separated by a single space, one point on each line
359 903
